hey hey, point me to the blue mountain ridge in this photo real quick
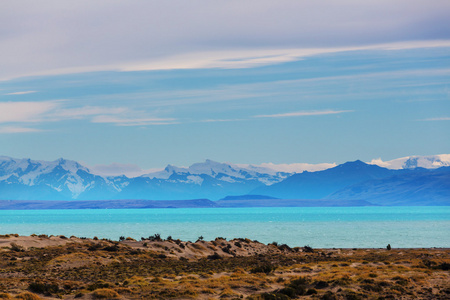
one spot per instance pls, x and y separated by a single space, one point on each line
360 181
349 182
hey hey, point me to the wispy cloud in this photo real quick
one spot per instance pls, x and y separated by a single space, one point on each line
437 119
21 93
9 129
304 113
26 111
237 59
133 121
55 111
230 59
221 120
38 41
83 112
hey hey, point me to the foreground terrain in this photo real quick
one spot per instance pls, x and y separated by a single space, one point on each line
58 267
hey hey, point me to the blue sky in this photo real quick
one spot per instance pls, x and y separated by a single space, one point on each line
246 82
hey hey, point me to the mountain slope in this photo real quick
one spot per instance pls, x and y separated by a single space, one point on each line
25 179
320 184
413 188
411 162
56 180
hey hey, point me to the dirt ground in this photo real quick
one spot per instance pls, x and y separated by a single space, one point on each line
58 267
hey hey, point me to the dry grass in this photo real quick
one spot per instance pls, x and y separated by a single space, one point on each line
28 296
105 294
95 269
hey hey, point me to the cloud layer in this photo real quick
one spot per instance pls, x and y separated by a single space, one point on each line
65 37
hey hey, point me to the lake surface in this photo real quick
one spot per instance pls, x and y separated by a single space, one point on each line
320 227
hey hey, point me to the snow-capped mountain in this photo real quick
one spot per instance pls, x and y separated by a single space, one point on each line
68 180
26 179
222 171
411 162
60 178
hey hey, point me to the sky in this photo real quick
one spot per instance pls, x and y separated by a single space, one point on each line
151 83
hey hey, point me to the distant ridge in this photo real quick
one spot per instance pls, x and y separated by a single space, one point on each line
247 197
105 204
292 203
197 203
320 184
64 180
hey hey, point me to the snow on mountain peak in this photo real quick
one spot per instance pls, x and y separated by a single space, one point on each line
411 162
30 171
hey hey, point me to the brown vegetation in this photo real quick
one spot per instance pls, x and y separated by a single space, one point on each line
44 267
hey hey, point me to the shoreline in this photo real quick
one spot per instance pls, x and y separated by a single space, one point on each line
190 203
44 240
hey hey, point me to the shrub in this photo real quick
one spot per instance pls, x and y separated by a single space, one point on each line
444 266
16 248
284 247
288 291
94 247
311 292
328 296
105 294
214 256
308 249
263 269
298 285
155 238
273 296
113 248
98 285
388 247
321 284
227 249
43 288
28 296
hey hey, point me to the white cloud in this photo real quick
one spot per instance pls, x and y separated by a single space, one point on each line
239 58
10 129
230 59
25 111
82 36
21 93
133 121
54 111
221 120
304 113
438 119
83 112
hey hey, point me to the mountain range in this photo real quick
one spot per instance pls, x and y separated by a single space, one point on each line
416 180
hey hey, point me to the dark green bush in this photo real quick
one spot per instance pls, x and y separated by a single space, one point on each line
43 288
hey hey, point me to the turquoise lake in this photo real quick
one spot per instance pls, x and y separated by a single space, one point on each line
320 227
